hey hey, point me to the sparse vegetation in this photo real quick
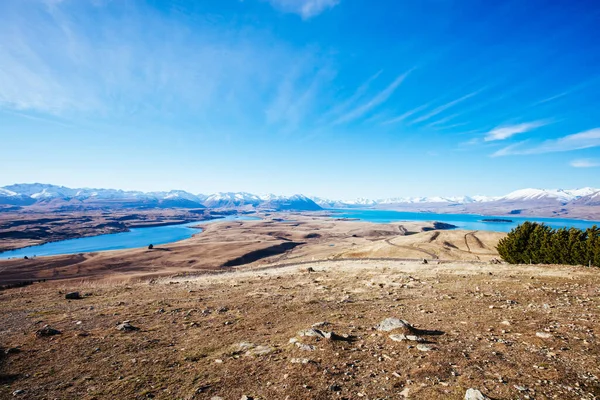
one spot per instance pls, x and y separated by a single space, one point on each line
533 243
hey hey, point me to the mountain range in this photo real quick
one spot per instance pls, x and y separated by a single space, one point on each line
548 201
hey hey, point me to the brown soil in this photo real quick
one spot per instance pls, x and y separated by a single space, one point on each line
188 345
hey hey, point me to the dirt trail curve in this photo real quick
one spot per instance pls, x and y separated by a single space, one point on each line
429 253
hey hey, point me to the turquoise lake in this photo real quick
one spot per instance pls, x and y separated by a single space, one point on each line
136 237
462 221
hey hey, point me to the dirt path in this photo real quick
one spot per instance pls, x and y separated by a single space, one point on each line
429 253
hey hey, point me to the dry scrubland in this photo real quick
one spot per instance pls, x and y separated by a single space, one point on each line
260 243
512 332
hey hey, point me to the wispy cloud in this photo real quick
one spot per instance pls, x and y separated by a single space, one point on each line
444 107
507 131
407 114
576 141
351 101
305 8
585 163
297 96
144 63
378 99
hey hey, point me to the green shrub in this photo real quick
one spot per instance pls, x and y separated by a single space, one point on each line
533 243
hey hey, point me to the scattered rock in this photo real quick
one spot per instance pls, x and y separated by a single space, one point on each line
305 347
253 350
310 269
244 397
399 337
127 327
474 394
301 361
543 335
311 333
73 296
47 331
18 392
404 392
321 324
424 347
317 333
390 324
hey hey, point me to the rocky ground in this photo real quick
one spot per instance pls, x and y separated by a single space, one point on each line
351 329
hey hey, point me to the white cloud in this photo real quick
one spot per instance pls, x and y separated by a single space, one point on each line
576 141
380 98
305 8
507 131
585 163
68 62
444 107
406 115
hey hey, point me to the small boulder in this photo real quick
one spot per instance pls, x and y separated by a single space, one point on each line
399 337
127 327
543 335
300 361
73 296
474 394
47 331
18 392
390 324
305 347
424 347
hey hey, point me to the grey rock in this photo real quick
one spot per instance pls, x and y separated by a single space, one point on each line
390 324
399 337
73 296
474 394
18 392
543 335
259 351
300 361
127 327
305 347
424 347
47 331
312 332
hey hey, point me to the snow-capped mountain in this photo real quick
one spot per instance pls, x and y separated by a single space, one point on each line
12 198
592 199
296 202
232 200
54 196
561 195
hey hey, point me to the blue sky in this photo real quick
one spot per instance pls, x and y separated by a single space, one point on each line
334 98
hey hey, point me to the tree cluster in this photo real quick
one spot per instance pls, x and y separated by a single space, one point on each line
533 243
